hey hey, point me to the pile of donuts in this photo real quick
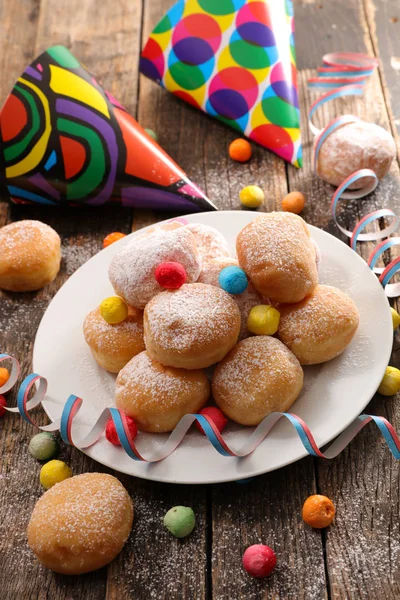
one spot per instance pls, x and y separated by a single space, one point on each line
186 311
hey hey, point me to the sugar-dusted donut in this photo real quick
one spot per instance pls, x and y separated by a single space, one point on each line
210 242
211 269
278 256
320 327
157 397
259 376
191 328
30 256
354 146
81 524
132 270
114 345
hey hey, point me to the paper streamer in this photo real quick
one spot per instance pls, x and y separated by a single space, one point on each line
65 425
345 74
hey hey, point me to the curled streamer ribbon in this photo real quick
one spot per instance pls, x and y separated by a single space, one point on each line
64 424
345 74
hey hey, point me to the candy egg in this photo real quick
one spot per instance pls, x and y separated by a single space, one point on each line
170 275
259 560
216 415
43 446
355 146
111 432
113 237
263 320
395 318
3 404
180 521
293 202
252 196
152 134
318 511
390 383
240 150
114 310
4 376
233 280
53 472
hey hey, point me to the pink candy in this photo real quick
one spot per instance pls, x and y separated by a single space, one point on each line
259 560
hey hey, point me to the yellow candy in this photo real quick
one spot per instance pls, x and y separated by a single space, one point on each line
252 196
53 472
114 310
395 318
263 320
390 383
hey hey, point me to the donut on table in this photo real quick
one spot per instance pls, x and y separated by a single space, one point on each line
132 270
259 376
192 327
113 346
352 147
30 256
81 524
320 327
157 397
276 252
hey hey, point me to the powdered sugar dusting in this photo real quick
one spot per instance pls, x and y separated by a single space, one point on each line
210 242
132 270
113 338
212 268
196 314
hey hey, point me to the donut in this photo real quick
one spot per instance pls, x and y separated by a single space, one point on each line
278 256
132 270
320 327
192 327
210 242
355 146
168 226
81 524
259 376
30 256
113 346
157 397
211 268
245 301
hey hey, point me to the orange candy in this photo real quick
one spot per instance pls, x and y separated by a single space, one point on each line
294 202
240 150
113 237
4 376
318 511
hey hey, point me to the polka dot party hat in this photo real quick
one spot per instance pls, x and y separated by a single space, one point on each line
235 60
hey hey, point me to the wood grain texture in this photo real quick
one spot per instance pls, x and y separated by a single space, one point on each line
363 480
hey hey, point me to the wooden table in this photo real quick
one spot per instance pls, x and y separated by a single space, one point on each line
358 557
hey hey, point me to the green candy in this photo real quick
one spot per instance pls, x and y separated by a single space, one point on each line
180 521
152 134
43 446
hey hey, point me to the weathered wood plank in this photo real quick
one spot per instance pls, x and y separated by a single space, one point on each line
362 481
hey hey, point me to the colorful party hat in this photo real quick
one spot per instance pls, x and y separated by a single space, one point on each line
65 140
235 60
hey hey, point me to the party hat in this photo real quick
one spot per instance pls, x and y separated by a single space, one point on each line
235 60
65 140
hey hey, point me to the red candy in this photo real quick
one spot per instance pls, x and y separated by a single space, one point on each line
216 415
111 432
259 560
170 275
3 403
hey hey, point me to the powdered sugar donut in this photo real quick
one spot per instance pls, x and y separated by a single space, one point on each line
355 146
114 345
259 376
277 254
211 269
132 270
157 397
210 242
191 328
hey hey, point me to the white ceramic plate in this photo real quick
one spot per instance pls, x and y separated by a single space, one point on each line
334 393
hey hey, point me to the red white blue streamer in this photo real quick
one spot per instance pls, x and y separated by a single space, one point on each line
345 74
65 425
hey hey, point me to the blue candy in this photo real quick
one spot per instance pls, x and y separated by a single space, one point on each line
233 280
